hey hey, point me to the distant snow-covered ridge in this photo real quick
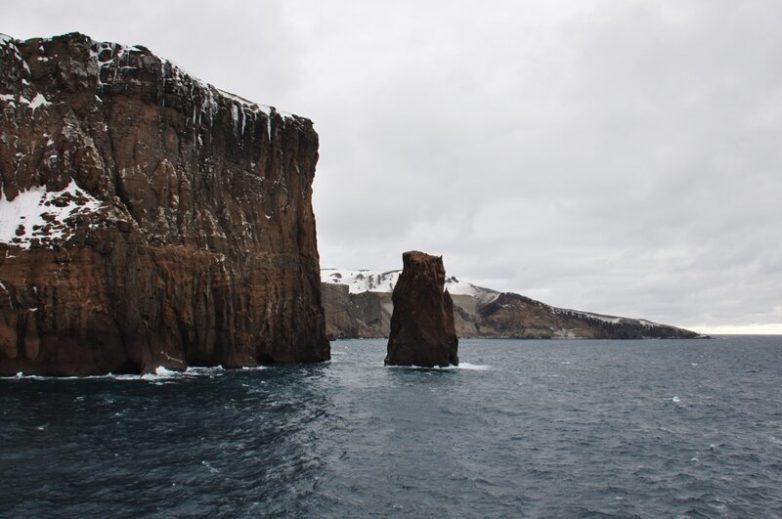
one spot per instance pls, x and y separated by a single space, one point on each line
376 281
38 214
478 312
362 280
609 319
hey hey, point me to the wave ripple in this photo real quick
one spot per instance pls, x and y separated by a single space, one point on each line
519 429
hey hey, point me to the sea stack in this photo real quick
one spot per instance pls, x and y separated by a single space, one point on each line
422 325
148 218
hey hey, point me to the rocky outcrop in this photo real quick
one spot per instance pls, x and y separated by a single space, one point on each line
367 314
147 218
482 312
422 328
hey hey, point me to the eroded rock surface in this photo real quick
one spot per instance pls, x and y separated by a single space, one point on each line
422 325
147 218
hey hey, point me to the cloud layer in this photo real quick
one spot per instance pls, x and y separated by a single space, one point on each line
619 157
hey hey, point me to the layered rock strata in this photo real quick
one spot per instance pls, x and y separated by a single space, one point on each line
422 327
147 218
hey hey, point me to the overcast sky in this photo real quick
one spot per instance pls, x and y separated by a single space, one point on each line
618 157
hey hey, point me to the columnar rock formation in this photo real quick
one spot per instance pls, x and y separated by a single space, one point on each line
147 218
422 326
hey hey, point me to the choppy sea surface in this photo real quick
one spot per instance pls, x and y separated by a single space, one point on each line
521 429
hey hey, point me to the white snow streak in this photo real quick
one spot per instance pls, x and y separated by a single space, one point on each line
29 209
369 281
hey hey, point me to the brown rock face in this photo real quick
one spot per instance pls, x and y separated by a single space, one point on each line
149 219
367 314
422 325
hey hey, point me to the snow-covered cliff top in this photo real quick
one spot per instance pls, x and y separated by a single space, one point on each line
375 281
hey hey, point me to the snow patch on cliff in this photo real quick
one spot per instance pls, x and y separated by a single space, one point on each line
244 102
40 214
114 58
7 43
610 319
38 101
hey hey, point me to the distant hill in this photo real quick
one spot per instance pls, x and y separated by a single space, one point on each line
358 304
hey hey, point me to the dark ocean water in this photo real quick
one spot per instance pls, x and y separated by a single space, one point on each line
522 429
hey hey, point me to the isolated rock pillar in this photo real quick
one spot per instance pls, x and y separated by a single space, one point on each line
422 325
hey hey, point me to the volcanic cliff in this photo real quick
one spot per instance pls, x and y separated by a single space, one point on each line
147 218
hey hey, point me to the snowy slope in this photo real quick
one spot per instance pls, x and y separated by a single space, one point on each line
41 214
492 314
375 281
360 281
609 319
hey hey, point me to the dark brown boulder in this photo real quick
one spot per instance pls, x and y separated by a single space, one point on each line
148 218
422 325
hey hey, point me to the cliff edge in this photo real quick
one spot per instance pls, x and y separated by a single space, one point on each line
147 218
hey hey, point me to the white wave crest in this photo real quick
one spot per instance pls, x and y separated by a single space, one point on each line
462 366
160 373
473 367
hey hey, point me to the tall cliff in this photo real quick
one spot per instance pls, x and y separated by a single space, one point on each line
147 218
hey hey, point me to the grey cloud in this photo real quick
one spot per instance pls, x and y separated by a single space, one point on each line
615 157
